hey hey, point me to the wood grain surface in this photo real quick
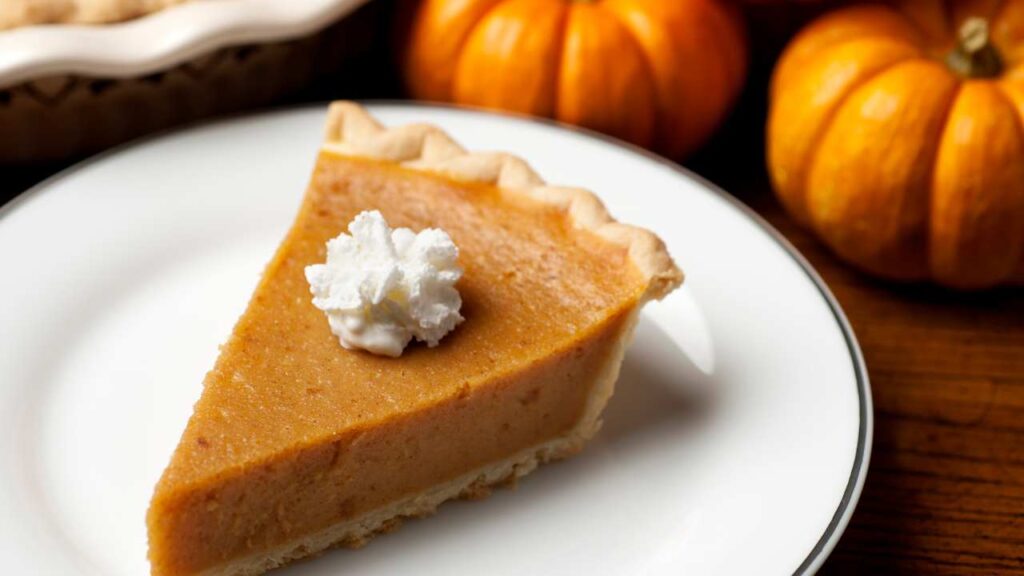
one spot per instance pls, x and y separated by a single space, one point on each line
945 487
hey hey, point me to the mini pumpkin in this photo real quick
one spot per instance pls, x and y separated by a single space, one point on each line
897 135
656 73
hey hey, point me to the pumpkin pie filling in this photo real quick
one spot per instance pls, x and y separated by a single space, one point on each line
298 444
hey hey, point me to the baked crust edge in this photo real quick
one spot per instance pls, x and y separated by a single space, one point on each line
19 13
352 131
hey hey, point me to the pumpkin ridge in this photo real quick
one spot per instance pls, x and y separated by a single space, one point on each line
412 58
512 58
827 122
795 50
841 43
659 113
725 19
875 37
1012 246
1006 90
469 34
934 156
596 35
879 37
556 84
918 234
1001 90
554 58
465 40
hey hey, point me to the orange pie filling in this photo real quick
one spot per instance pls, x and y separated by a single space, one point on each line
294 434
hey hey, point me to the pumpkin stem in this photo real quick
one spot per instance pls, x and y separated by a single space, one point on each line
974 55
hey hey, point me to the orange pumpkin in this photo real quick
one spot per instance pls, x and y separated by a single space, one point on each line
897 135
661 74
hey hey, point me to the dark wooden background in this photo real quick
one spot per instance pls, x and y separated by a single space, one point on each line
945 489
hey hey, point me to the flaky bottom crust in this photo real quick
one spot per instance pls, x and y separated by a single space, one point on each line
475 484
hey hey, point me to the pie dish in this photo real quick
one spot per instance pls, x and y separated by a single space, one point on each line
297 444
16 13
95 73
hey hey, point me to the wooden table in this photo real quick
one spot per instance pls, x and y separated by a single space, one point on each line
945 487
945 490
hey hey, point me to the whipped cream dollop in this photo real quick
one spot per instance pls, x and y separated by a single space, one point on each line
381 287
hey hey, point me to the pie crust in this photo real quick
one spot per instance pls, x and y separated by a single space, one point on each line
352 131
354 134
17 13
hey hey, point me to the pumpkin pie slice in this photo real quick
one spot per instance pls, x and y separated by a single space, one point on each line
298 444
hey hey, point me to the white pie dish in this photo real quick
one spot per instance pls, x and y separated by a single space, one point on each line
158 41
68 90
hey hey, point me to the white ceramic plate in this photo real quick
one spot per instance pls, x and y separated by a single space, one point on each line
161 40
737 441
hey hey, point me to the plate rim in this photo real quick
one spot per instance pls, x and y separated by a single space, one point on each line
837 525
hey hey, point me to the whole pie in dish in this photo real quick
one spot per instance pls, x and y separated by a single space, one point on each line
298 444
15 13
